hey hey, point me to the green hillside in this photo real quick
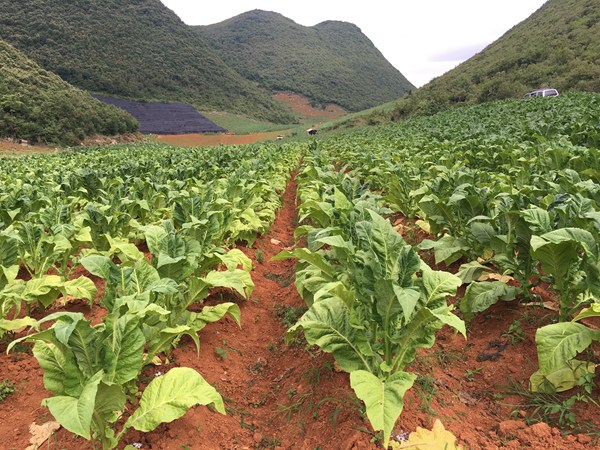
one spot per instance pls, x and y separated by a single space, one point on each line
136 49
39 106
558 46
332 62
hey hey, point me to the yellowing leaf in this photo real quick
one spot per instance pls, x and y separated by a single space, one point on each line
436 439
423 225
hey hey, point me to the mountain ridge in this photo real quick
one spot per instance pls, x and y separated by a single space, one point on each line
39 106
557 46
138 50
331 62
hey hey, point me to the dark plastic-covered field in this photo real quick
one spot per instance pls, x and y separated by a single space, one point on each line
165 118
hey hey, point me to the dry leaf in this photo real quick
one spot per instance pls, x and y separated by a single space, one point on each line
552 306
498 277
466 398
41 433
436 439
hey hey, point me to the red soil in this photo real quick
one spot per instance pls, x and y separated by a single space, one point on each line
206 140
301 105
291 397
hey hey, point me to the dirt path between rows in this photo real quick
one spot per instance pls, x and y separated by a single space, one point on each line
282 396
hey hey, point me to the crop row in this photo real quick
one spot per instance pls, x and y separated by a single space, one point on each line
511 187
95 210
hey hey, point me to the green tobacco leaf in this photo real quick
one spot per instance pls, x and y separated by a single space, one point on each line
340 201
471 271
583 237
109 404
234 258
81 287
565 378
61 375
44 289
15 324
444 315
83 342
125 250
438 285
483 233
124 350
165 338
238 280
143 276
75 414
537 218
303 254
419 332
210 314
154 234
383 398
559 343
408 299
327 325
447 249
99 265
592 311
480 296
556 257
168 397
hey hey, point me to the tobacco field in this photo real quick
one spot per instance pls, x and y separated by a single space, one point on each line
290 295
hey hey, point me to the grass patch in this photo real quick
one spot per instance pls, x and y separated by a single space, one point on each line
243 125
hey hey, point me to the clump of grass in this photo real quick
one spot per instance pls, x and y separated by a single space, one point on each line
289 315
6 388
554 409
259 255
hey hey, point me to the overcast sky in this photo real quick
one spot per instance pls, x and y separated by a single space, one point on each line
421 38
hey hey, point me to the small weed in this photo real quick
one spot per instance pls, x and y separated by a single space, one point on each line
312 375
19 350
225 344
259 255
258 366
268 442
445 358
554 409
289 315
260 402
347 402
426 390
221 353
515 333
272 347
6 388
470 374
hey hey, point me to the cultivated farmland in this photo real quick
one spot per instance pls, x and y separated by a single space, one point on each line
336 293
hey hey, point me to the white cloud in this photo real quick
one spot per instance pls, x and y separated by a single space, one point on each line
421 38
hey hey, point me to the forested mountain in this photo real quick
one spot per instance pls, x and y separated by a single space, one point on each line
332 62
135 49
558 46
39 106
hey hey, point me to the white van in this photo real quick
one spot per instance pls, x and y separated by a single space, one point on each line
542 93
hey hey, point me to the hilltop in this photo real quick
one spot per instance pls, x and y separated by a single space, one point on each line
39 106
332 62
557 46
139 50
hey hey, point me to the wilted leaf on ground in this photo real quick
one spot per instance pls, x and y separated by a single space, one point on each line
41 433
436 439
